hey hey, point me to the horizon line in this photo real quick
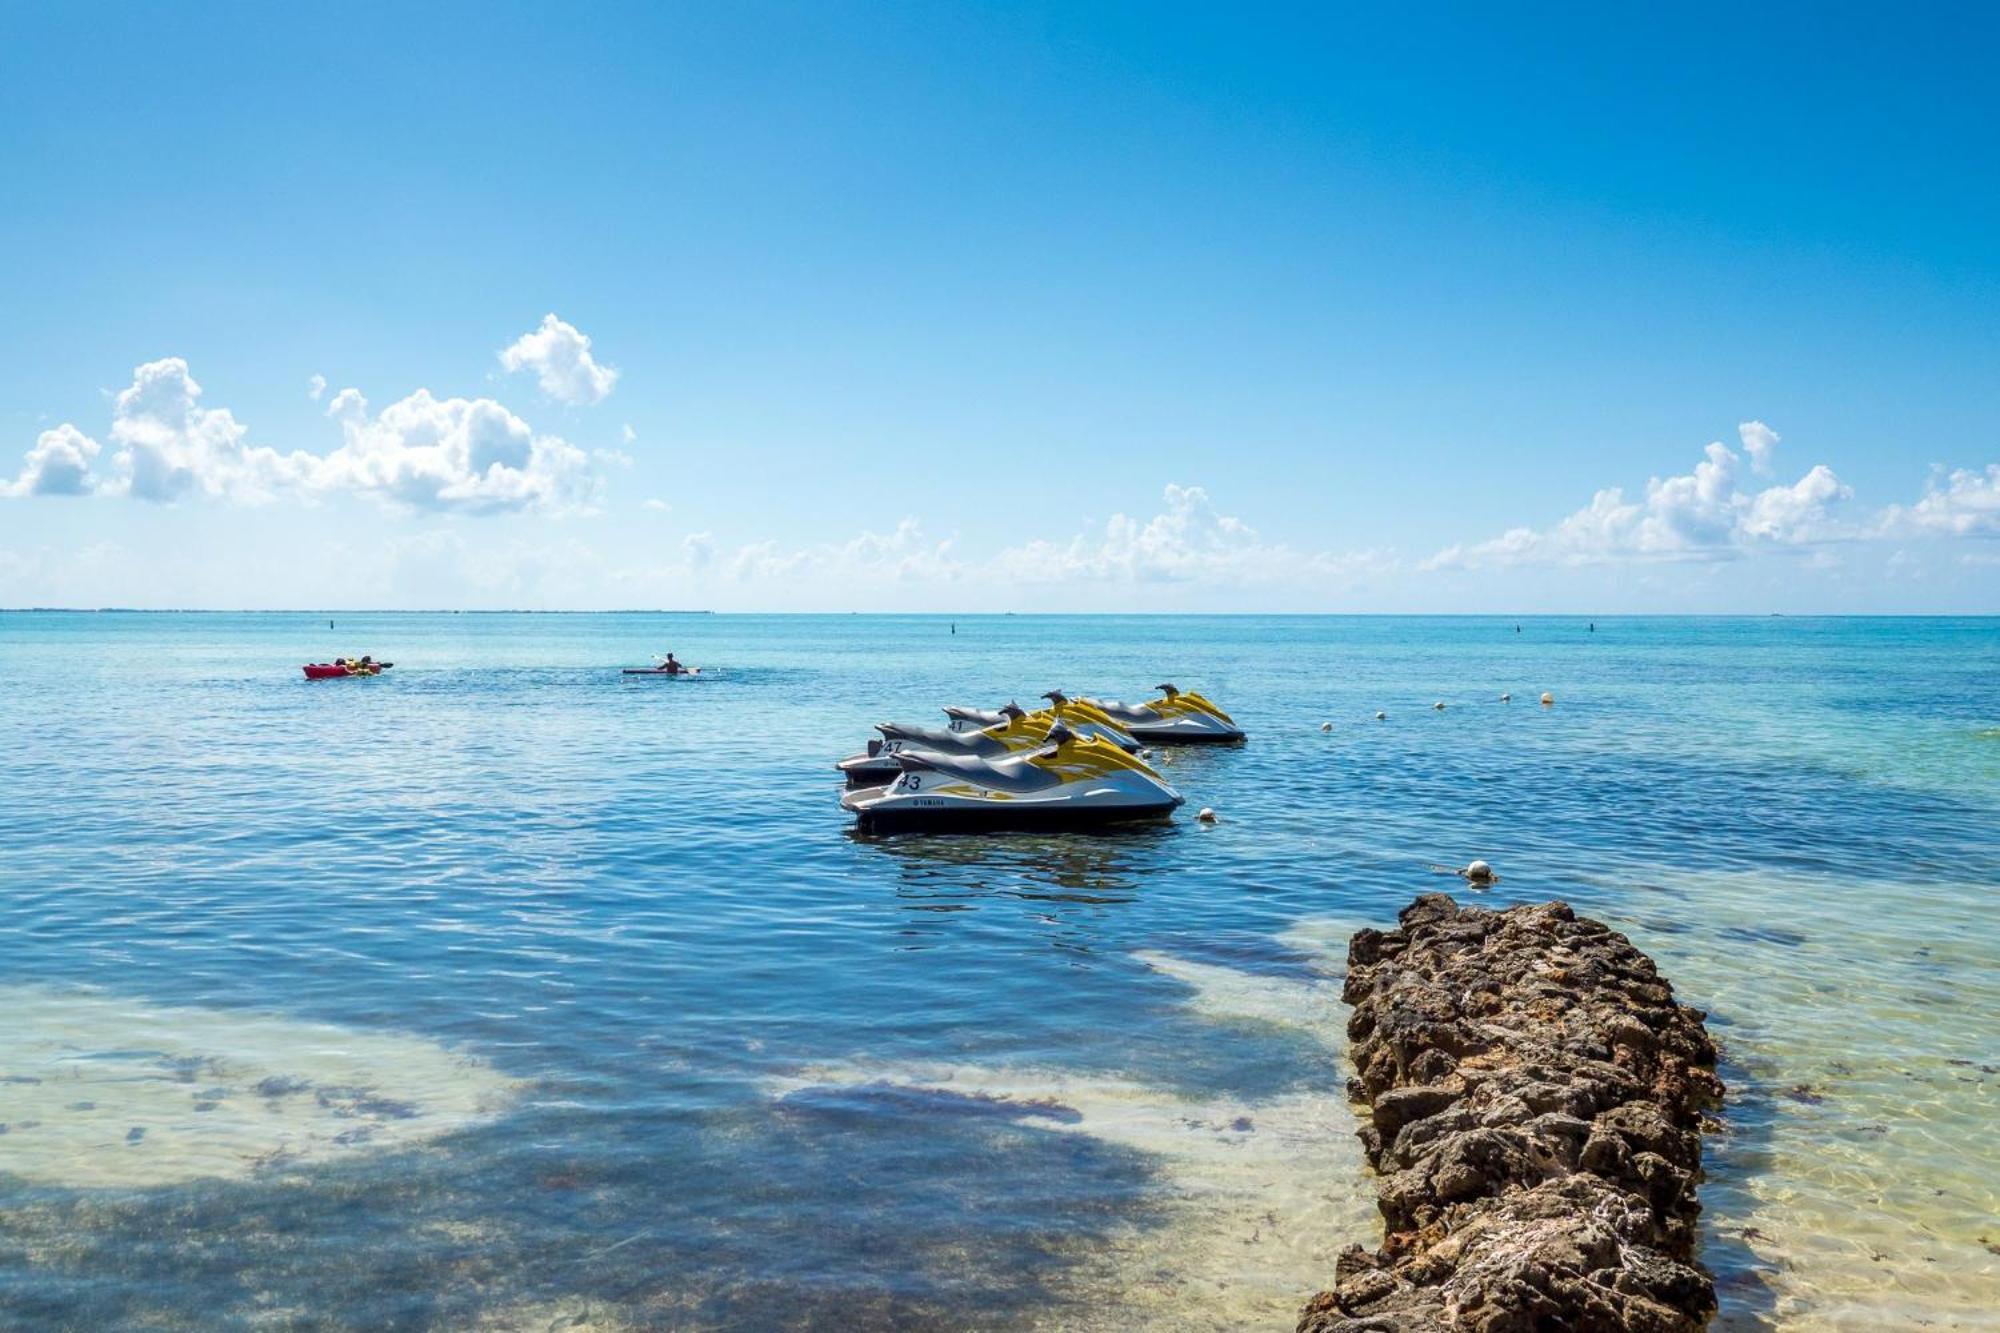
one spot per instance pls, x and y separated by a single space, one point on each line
998 615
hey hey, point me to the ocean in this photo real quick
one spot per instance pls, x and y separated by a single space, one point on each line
506 992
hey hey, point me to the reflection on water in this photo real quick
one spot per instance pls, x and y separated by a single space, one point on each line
1098 867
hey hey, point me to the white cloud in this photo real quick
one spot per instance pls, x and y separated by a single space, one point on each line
1800 512
170 445
658 505
316 387
59 464
1703 514
1965 503
629 433
457 454
470 455
559 354
346 404
1759 441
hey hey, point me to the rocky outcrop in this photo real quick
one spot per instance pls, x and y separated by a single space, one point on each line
1535 1097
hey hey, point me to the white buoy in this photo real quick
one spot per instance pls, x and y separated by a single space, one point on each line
1439 705
1548 701
1207 816
1506 698
1478 873
1326 726
1380 716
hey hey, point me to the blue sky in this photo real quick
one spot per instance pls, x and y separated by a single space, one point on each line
1001 307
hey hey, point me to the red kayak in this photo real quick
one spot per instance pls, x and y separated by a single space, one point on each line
335 670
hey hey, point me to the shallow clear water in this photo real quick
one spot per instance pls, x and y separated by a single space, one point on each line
504 991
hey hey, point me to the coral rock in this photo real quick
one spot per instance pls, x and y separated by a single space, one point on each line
1535 1099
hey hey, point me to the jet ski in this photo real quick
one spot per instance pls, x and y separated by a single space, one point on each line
973 719
1015 731
1069 782
1173 719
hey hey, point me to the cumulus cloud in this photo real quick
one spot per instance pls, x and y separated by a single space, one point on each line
1704 514
1759 440
658 505
559 354
629 434
1965 503
466 454
169 445
457 454
316 387
59 464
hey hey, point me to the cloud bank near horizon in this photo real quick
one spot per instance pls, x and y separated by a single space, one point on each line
428 455
1704 514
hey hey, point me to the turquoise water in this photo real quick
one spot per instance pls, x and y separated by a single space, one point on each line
506 992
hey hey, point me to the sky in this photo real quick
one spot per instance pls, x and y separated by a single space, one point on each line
930 307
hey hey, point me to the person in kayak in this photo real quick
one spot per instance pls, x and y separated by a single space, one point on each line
672 667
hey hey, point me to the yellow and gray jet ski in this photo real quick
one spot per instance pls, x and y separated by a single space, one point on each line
1070 781
1076 712
1014 730
1175 718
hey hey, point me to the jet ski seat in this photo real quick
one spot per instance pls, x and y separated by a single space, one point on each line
896 731
1014 775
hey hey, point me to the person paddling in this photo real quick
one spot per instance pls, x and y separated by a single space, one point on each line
672 667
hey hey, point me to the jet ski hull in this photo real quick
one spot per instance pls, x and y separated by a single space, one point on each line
1174 734
999 818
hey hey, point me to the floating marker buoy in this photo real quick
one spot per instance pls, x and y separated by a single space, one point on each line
1439 705
1478 873
1326 726
1548 701
1207 816
1380 716
1506 698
